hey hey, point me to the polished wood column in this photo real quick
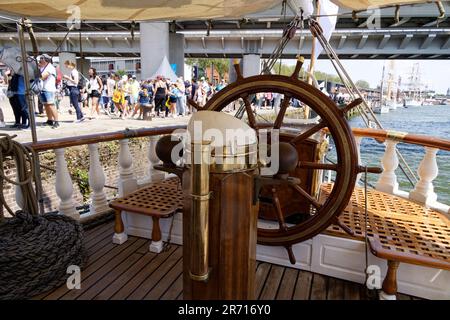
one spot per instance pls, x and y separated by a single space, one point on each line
232 239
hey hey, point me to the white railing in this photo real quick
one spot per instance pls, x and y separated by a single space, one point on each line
127 181
423 191
427 172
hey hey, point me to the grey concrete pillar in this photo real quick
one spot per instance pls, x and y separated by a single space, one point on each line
83 66
154 44
176 52
251 65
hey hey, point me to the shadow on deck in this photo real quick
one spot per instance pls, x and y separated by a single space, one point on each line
130 271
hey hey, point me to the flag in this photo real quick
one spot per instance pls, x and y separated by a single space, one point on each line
328 23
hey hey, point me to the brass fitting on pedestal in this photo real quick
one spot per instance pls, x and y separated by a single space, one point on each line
199 262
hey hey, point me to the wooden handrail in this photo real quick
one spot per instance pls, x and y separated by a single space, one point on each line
377 134
103 137
409 138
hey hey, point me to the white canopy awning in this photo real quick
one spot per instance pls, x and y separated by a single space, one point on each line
165 70
119 10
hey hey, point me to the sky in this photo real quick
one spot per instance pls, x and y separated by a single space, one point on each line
435 73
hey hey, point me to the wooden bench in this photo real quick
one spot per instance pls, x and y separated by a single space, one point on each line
158 200
398 231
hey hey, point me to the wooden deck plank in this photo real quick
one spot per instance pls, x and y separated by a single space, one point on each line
91 268
156 276
166 282
287 285
94 278
335 289
88 233
261 276
272 283
401 296
131 271
102 232
351 291
303 286
145 249
111 276
319 287
92 251
131 285
127 276
174 290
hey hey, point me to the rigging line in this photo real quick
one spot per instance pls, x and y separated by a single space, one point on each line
351 13
10 19
366 228
336 62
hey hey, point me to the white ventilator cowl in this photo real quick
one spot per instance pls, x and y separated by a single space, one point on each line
223 130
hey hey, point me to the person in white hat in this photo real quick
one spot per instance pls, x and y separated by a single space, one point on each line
47 95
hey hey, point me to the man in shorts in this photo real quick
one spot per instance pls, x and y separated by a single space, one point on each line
47 96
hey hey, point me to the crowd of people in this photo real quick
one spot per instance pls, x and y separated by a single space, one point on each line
120 96
90 96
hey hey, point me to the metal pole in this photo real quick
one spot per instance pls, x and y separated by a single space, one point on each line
30 102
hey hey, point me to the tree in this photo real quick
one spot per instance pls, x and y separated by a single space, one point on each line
362 84
121 73
220 65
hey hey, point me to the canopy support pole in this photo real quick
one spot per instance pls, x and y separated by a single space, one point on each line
30 102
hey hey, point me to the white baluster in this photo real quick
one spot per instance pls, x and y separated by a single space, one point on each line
388 179
64 187
153 175
428 171
96 181
125 166
358 150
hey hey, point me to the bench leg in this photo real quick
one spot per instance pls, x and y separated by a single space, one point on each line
156 245
119 236
389 288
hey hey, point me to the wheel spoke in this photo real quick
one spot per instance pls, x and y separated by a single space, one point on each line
278 210
282 112
250 115
317 166
307 196
322 124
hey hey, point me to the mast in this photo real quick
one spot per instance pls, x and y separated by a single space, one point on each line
382 86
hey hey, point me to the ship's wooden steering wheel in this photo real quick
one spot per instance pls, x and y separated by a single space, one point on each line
332 117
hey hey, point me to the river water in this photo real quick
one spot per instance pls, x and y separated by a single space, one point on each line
428 120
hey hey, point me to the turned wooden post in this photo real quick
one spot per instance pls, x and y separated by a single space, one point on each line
156 245
64 187
120 235
96 181
428 171
390 282
388 179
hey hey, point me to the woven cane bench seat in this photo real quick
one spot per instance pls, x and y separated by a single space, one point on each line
163 198
398 229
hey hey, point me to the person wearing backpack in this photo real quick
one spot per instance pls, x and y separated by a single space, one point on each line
73 81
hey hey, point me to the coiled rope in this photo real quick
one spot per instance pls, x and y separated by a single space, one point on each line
35 250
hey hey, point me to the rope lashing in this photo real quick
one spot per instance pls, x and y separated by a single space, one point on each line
23 157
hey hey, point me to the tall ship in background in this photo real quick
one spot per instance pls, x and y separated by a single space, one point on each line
414 89
392 88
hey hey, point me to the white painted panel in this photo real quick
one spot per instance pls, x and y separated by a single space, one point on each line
278 255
